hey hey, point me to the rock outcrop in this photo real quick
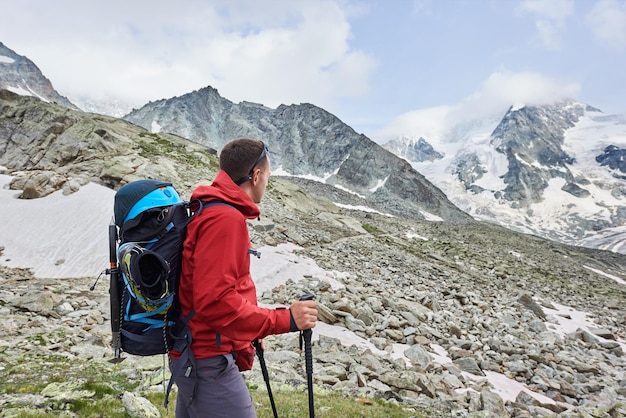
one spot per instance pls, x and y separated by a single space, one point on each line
48 147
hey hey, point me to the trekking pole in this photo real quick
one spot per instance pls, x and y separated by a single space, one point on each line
114 293
308 356
266 376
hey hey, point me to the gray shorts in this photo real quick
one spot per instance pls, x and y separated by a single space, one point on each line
220 390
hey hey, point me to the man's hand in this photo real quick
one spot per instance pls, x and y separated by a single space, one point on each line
304 314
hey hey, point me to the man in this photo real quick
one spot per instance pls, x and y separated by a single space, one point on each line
216 284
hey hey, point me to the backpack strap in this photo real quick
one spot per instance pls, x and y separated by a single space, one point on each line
204 204
182 344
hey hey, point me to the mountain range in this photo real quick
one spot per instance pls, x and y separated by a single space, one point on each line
556 171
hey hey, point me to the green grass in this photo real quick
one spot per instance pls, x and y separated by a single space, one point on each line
35 372
154 146
107 382
296 404
288 405
372 229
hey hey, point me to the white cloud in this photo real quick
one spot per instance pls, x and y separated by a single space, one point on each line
550 18
310 61
607 21
518 88
498 92
428 123
270 52
363 61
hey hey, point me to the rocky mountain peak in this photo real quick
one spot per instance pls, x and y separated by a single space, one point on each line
304 140
22 76
615 158
532 139
417 150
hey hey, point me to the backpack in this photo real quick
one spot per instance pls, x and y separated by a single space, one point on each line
146 239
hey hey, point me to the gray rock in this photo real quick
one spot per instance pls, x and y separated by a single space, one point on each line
355 324
35 301
469 365
419 355
139 407
493 404
66 391
603 333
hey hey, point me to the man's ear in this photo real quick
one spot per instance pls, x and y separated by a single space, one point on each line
255 175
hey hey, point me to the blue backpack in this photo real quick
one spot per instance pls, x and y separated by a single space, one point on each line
146 240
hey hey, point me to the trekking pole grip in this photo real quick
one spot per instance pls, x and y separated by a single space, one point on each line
306 335
307 296
308 356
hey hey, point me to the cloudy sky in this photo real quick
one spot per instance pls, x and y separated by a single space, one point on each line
372 63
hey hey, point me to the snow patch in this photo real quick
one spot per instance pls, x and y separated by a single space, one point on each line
431 217
362 208
19 90
412 235
6 60
281 263
56 236
380 184
565 320
345 189
155 128
509 389
610 276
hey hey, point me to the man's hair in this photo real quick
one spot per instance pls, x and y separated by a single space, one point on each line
239 155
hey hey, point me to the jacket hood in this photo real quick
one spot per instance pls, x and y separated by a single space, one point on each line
224 189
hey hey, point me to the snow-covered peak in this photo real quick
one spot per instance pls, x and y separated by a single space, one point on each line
552 170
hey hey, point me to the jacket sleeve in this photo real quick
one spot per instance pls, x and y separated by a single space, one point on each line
224 294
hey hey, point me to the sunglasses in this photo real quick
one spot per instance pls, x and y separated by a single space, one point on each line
258 160
264 153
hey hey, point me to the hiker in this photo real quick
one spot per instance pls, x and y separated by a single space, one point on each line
216 285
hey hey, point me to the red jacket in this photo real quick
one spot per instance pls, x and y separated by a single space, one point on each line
215 279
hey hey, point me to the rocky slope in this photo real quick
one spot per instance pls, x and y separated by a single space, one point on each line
468 304
55 148
483 296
